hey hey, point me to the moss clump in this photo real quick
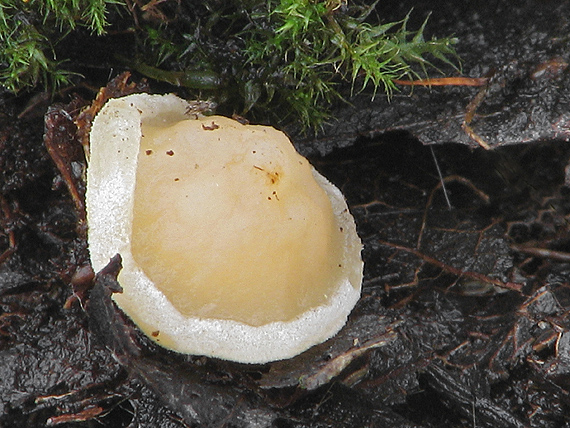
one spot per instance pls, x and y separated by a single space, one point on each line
30 29
326 43
253 56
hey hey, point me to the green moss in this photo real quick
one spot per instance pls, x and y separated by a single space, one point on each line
325 43
28 31
295 57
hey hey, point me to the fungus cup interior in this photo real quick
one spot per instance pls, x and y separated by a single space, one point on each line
233 246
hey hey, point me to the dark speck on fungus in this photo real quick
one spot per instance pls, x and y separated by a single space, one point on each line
210 127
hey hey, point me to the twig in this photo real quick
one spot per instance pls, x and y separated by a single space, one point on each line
470 114
455 271
7 214
543 253
445 81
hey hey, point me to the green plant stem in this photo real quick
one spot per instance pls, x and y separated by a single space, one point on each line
192 79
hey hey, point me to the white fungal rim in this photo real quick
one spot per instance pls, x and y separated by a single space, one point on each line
111 178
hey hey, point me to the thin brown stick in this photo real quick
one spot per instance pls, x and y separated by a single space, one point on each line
470 114
445 81
455 271
7 214
543 253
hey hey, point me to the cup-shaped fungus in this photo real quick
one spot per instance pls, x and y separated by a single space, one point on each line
233 246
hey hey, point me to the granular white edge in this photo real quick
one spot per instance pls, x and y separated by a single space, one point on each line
113 197
240 342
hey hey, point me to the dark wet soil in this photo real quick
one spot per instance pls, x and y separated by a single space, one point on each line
463 319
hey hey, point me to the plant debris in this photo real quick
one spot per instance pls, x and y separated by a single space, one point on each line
463 319
519 57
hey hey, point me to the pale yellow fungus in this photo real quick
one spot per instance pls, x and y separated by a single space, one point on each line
233 246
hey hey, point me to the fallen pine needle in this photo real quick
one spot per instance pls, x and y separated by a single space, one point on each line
445 81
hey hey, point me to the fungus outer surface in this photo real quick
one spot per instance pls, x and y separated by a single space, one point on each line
233 246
